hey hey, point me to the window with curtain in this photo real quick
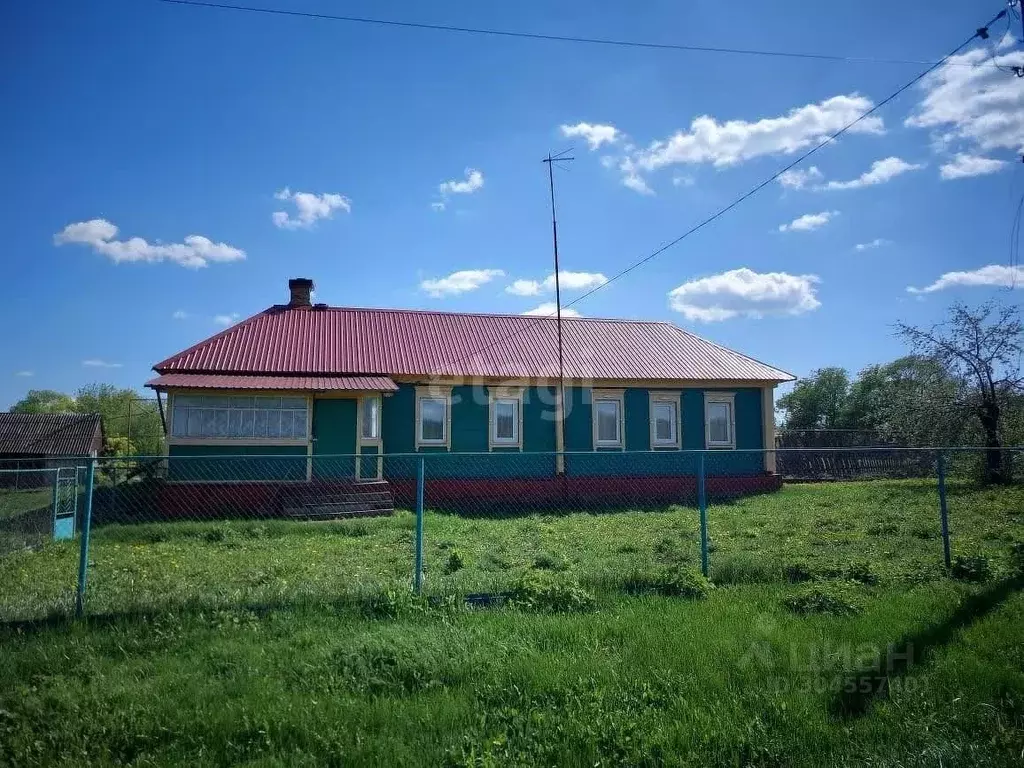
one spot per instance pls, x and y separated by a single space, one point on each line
607 415
370 418
228 417
433 415
720 424
505 426
665 422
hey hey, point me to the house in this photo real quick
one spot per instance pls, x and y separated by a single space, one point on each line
339 394
40 441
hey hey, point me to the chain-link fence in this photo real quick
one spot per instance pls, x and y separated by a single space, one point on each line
270 528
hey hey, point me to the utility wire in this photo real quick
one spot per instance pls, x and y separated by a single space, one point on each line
981 32
550 38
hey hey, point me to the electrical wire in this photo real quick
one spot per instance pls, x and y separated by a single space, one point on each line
548 37
745 196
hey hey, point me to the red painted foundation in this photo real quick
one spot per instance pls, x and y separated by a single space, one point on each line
157 500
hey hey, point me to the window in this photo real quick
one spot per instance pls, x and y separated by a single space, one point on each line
720 420
224 417
369 416
433 416
665 420
506 410
607 418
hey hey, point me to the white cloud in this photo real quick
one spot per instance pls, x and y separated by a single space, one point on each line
745 293
459 282
311 208
96 363
683 181
734 141
880 172
1008 40
568 281
474 180
964 165
99 234
993 275
878 242
549 309
970 101
633 180
808 221
180 314
229 319
24 374
798 179
524 288
438 205
595 133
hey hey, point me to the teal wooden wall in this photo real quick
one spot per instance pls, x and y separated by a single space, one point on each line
335 428
236 463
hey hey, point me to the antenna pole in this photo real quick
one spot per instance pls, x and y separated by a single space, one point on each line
560 399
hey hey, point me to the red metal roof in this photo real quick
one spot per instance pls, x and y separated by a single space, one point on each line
303 383
322 340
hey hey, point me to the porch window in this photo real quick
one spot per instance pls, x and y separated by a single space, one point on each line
720 419
226 417
370 418
608 407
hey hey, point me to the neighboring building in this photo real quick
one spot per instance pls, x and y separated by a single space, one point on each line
46 441
310 381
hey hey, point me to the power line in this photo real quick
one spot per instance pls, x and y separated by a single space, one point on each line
548 37
753 190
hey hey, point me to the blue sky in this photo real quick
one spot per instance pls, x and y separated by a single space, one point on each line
245 149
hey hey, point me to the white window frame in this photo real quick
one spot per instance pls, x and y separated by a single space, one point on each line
372 439
175 404
616 396
443 394
728 398
675 400
504 394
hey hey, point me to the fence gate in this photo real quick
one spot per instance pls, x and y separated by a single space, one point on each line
65 503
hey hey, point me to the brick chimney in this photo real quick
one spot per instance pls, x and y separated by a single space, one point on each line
299 288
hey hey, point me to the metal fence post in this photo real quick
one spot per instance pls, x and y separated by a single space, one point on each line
702 505
418 580
83 555
943 512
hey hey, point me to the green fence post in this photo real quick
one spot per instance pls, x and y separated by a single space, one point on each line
83 555
56 500
943 512
702 505
418 582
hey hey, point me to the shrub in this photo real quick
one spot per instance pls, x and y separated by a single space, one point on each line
541 591
797 572
547 561
861 572
974 568
685 582
454 563
828 599
387 603
1017 557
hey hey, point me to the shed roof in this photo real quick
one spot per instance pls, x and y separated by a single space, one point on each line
51 434
321 340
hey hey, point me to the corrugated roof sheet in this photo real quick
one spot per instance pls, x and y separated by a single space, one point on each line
302 383
50 434
335 340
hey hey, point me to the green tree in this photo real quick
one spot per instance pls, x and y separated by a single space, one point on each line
981 351
817 402
45 401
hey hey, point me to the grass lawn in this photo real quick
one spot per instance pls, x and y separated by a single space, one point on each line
284 643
